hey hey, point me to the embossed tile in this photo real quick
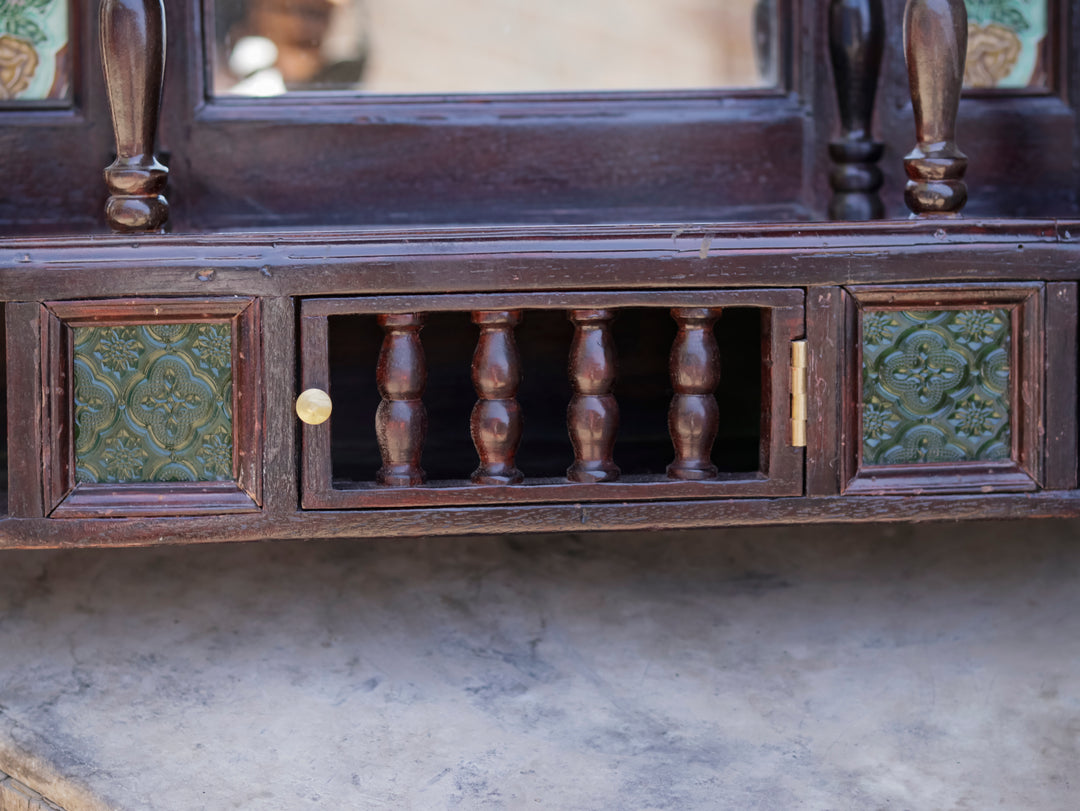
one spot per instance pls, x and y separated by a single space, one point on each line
153 403
936 386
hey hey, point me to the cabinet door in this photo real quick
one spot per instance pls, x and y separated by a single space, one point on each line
151 407
945 388
560 397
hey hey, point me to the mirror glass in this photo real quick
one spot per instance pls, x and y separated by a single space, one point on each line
269 47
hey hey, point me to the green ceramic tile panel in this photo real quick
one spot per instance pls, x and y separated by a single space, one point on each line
1005 43
34 61
936 386
153 403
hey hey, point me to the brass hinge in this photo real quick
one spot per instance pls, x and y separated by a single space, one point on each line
799 374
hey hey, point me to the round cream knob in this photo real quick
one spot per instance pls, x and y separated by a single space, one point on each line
313 406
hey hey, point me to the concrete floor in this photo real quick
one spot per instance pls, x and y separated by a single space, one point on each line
933 667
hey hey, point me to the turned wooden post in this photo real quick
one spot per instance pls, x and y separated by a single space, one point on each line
401 420
593 415
856 41
496 418
694 416
935 44
133 56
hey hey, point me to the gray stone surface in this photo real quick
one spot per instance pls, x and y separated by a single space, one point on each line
797 668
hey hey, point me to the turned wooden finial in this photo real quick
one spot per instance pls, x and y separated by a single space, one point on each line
856 42
133 54
935 44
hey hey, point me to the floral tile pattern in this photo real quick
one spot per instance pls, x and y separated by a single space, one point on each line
34 53
153 403
936 386
1005 43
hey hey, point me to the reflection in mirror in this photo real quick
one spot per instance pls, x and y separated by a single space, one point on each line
268 47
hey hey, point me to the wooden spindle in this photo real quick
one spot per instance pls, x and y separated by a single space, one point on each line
935 44
401 420
694 416
133 56
593 415
496 418
856 42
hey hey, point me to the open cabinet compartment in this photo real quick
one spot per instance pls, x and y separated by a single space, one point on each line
752 454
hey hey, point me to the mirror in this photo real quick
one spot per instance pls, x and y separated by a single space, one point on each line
269 47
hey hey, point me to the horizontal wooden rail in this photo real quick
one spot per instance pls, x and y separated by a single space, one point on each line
412 262
502 519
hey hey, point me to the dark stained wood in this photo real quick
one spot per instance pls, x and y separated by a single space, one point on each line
527 158
57 420
599 299
316 469
277 388
496 420
401 421
1062 312
146 309
554 258
825 334
850 427
64 498
592 418
25 409
138 500
694 417
778 456
133 56
462 492
856 42
503 519
935 44
1025 471
576 158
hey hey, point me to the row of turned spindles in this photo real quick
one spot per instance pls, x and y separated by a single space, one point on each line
497 423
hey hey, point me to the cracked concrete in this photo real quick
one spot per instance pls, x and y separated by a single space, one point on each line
933 667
